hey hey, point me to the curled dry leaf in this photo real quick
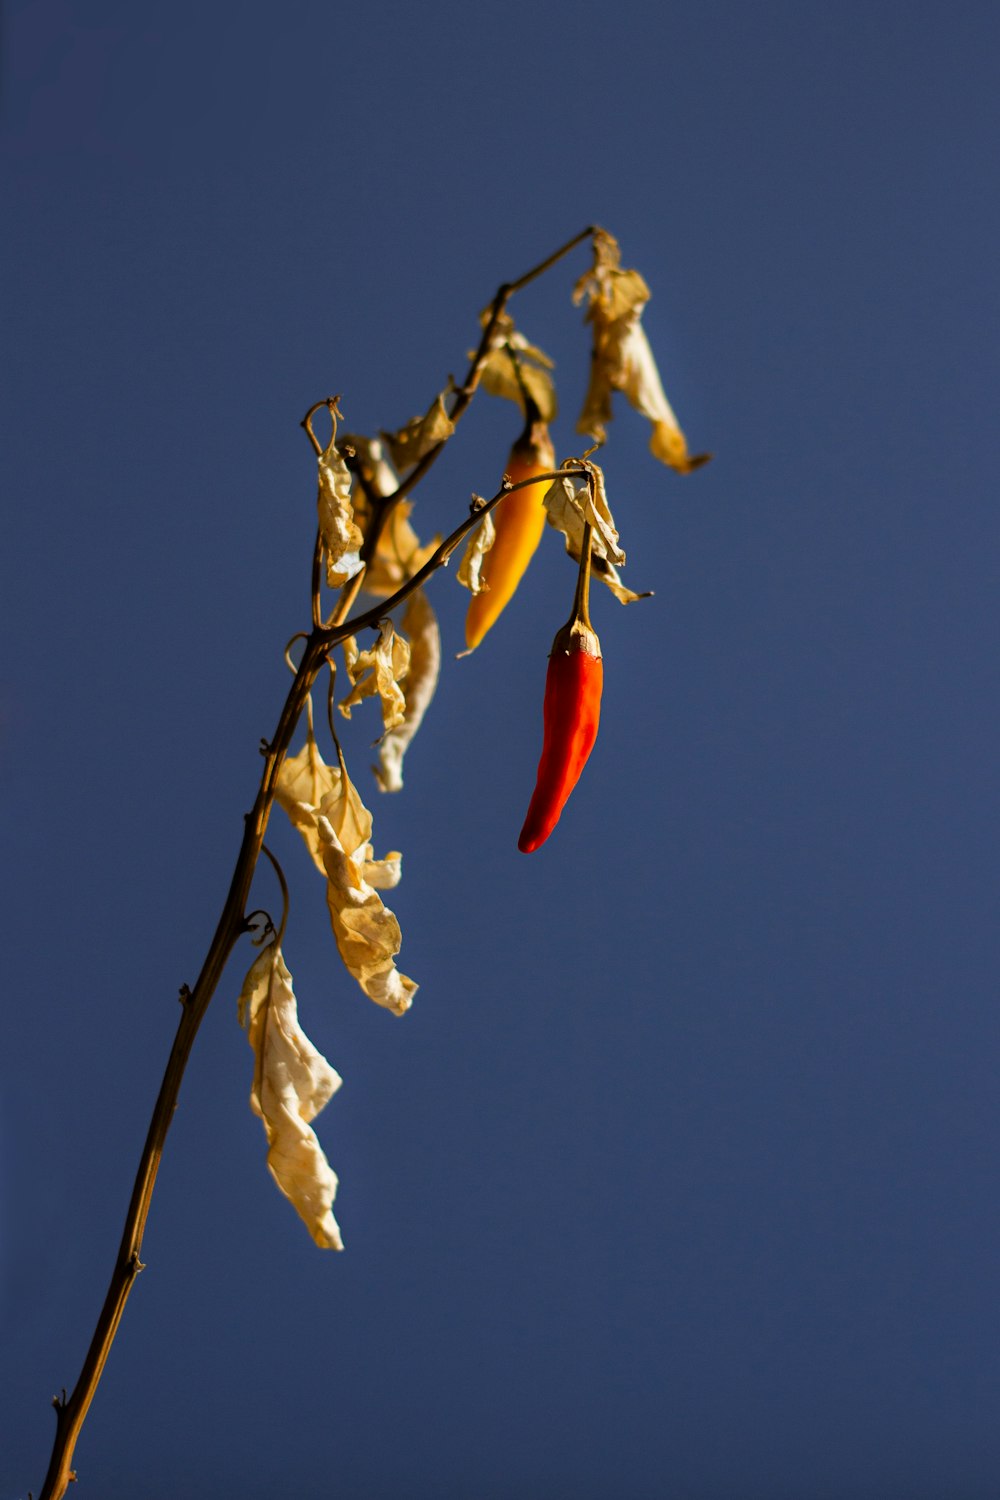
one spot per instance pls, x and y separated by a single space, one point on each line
569 507
419 684
292 1083
399 553
367 932
499 376
409 445
336 830
303 781
378 670
470 569
339 534
622 359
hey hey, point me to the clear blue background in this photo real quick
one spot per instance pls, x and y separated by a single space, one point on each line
680 1179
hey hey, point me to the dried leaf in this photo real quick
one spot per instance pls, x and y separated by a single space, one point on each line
378 670
622 359
367 932
499 376
340 536
303 781
420 624
420 435
337 833
470 569
292 1083
569 507
609 575
399 553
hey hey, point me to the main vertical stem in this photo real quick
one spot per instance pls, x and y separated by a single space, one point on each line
71 1412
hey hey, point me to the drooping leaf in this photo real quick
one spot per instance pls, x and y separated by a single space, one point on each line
292 1083
569 506
499 376
337 833
409 444
419 684
621 358
367 932
470 569
378 670
303 781
341 538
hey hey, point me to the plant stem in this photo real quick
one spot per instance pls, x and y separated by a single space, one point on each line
71 1412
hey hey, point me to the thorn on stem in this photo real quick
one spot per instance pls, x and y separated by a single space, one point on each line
135 1264
184 995
265 746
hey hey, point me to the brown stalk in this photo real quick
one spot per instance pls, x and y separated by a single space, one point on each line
71 1411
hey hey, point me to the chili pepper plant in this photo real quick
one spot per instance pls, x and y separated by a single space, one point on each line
369 573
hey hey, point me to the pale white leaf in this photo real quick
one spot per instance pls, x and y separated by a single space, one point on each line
419 684
292 1083
470 569
340 537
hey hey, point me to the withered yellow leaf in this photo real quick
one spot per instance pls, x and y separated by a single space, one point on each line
367 932
378 670
302 783
410 443
499 376
341 538
419 684
470 569
337 833
622 359
292 1083
570 506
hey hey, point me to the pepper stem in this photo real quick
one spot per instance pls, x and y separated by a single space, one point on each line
581 599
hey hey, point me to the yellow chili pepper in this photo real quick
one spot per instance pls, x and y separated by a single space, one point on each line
520 521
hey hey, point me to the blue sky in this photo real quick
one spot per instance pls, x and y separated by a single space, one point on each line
680 1177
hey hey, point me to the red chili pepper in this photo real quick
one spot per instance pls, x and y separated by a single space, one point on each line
571 714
